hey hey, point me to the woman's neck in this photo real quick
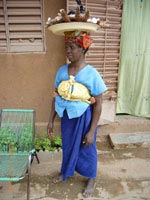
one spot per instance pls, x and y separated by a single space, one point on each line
78 64
75 67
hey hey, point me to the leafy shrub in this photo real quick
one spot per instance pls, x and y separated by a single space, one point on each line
44 143
16 138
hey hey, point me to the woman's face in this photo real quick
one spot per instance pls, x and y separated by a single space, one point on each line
73 51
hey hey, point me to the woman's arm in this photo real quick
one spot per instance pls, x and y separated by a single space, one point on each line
50 125
97 108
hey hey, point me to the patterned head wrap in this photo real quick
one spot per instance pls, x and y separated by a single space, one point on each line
81 38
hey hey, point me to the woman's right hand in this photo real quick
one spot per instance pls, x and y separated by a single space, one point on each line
50 129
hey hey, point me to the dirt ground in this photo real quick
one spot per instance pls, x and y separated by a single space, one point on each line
123 174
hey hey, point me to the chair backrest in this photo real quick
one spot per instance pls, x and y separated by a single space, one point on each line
17 130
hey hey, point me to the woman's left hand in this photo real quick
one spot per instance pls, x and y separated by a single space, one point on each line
89 139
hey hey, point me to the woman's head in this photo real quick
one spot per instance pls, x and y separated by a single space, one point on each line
76 44
79 37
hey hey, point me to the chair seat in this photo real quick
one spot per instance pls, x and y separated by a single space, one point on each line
13 167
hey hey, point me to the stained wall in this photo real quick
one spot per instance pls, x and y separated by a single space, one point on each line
27 79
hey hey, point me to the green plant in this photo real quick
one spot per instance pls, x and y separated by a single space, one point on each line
44 143
18 138
6 138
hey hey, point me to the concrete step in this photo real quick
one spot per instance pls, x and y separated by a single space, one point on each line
129 140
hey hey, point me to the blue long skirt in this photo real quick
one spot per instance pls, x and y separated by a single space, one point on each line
76 156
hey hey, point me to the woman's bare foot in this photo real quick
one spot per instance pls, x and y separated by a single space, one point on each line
58 178
88 191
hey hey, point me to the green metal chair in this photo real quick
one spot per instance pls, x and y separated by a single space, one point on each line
17 145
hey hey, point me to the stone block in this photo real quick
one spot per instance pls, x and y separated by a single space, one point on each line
129 140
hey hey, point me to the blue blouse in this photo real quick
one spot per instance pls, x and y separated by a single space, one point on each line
87 76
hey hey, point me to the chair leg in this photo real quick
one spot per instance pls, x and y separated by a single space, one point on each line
29 176
37 157
28 187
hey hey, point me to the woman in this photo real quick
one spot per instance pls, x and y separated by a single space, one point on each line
77 101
